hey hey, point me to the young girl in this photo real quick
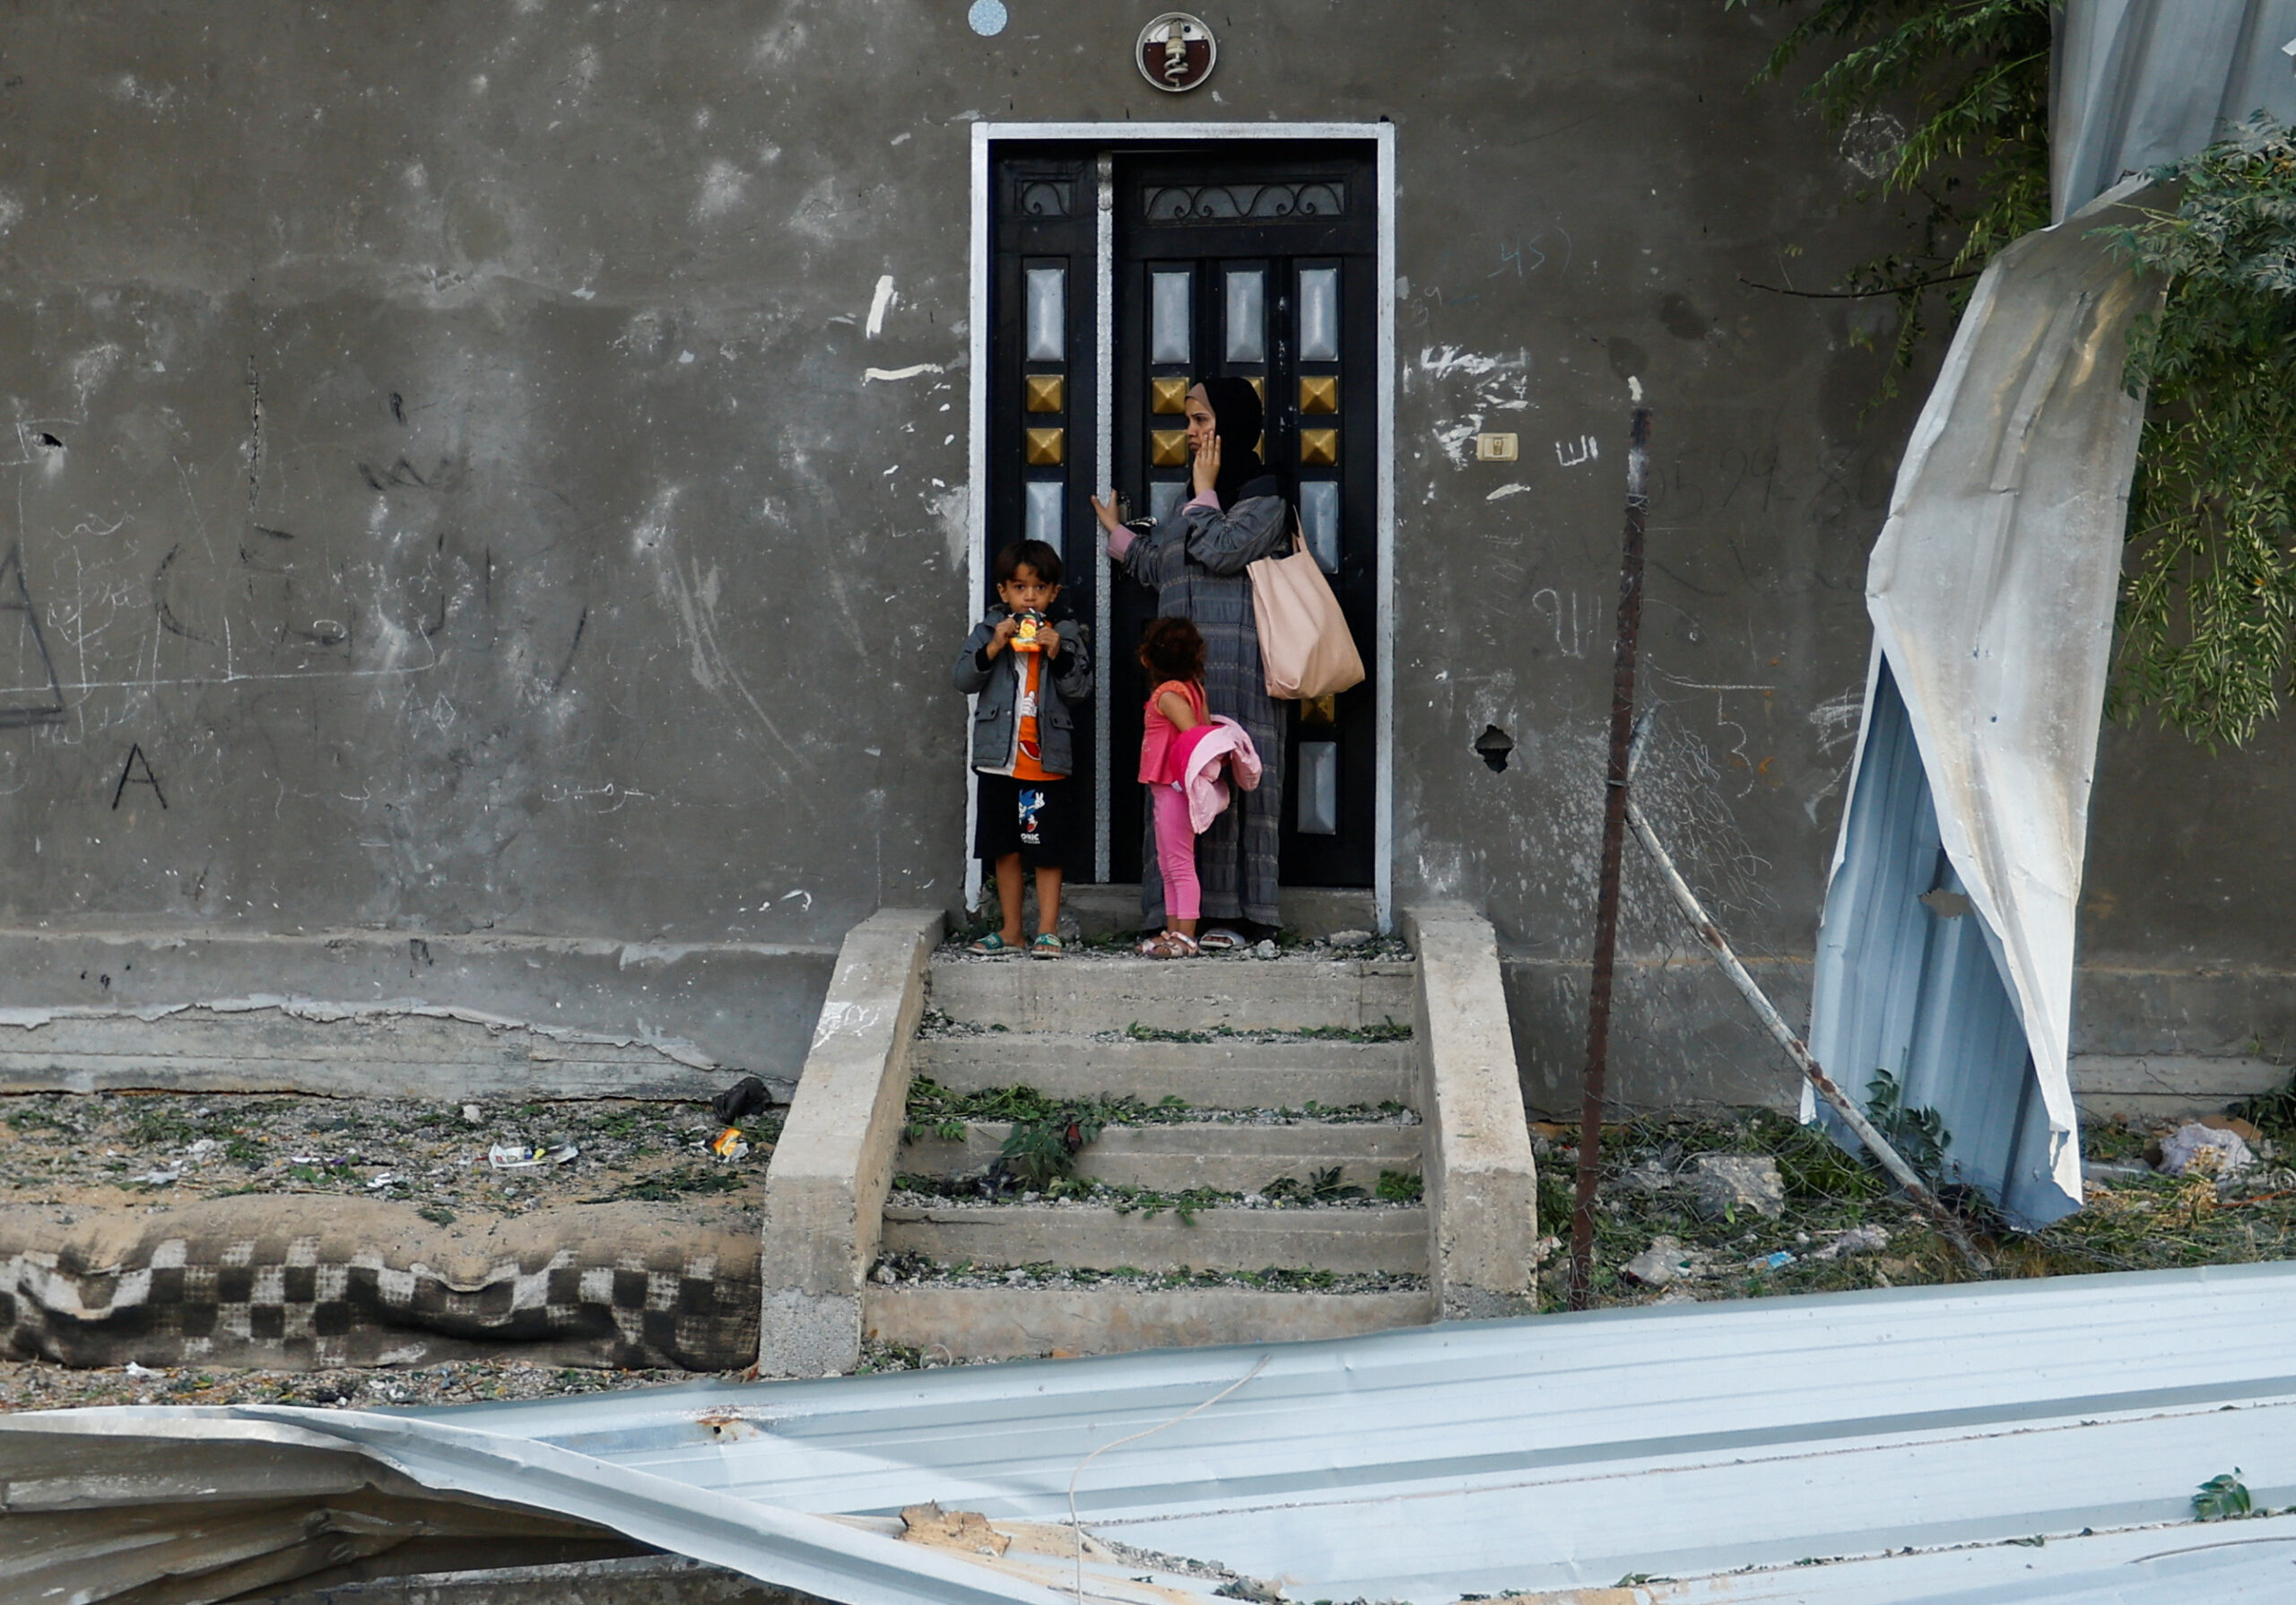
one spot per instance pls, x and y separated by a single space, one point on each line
1172 654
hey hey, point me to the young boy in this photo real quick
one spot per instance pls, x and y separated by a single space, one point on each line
1022 738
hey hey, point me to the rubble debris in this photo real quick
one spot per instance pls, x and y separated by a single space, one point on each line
965 1530
2198 1148
1659 1264
1345 940
1857 1240
530 1156
737 1103
1727 1184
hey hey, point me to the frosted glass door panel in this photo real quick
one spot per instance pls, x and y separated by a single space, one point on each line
1320 788
1168 317
1319 315
1247 316
1048 319
1043 521
1319 520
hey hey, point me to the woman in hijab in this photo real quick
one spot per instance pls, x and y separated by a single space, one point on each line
1195 560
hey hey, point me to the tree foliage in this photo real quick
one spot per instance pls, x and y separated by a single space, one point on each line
2209 597
1973 76
2208 604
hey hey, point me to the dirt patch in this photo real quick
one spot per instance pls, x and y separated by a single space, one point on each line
31 1386
131 1150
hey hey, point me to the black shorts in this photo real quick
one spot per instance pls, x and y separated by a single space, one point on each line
1030 817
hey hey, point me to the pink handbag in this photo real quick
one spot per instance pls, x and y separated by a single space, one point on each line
1304 645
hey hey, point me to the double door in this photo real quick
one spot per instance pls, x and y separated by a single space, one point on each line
1119 279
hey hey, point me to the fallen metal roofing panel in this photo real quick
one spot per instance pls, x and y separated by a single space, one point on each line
2135 84
1991 588
1687 1441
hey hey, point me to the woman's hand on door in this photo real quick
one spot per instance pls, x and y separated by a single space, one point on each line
1119 538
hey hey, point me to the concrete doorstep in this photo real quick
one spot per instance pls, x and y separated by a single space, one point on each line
829 1218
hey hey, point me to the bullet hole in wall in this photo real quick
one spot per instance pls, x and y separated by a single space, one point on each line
48 441
1492 746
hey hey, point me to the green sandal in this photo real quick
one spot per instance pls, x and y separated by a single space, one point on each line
1046 946
992 946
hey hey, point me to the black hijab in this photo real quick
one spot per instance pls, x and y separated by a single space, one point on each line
1237 415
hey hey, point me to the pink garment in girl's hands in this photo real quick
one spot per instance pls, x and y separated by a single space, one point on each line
1201 754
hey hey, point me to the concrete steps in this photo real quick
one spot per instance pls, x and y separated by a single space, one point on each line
985 1323
869 1237
1389 1238
1225 1157
1225 1073
1272 1042
1090 992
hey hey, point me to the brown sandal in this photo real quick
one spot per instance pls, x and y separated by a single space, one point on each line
1170 944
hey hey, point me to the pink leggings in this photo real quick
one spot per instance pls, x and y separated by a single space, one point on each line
1176 852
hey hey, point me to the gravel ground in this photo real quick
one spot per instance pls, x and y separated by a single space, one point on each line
142 1151
27 1385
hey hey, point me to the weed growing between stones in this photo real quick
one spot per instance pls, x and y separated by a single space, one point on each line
1385 1031
916 1271
935 1110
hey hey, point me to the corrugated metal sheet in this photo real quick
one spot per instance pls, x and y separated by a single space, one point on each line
1991 588
1560 1453
1992 591
2135 84
1915 989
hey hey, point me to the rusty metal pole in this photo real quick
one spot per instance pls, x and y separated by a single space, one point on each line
1598 984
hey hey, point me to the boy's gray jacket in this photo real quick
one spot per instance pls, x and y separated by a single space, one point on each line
996 726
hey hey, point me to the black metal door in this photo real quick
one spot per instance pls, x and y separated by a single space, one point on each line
1257 260
1043 407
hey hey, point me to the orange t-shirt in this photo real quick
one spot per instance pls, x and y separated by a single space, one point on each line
1028 761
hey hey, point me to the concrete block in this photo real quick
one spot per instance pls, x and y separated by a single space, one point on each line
2147 1086
989 1323
747 1006
1229 1239
1220 1074
1481 1180
331 1051
1096 993
834 1161
1232 1159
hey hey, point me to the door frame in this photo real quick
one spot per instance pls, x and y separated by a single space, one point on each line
1105 136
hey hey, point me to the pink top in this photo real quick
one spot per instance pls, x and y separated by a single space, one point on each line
1156 766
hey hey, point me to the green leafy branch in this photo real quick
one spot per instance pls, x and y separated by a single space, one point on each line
2209 595
1973 76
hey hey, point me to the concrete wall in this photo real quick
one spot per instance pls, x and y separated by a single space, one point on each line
446 472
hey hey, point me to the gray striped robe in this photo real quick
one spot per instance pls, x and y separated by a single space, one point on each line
1195 561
